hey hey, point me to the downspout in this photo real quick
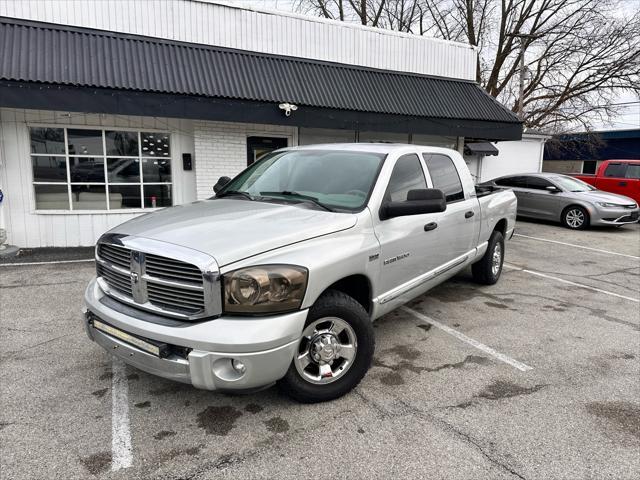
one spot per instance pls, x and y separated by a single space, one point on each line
541 160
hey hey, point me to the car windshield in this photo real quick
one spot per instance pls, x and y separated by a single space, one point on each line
571 184
329 179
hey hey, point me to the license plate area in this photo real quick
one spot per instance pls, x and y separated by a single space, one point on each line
158 349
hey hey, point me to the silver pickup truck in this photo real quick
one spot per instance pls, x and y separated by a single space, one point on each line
279 276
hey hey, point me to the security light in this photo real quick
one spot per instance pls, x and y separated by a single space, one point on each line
288 108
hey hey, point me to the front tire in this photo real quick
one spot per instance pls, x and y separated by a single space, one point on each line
575 218
488 269
334 353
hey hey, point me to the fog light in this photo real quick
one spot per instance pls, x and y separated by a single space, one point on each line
238 366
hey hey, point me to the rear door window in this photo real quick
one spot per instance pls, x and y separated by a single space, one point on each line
616 170
538 183
444 175
518 182
633 171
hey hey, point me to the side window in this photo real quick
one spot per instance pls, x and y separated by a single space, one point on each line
615 170
538 183
518 182
407 175
445 176
504 182
589 167
633 171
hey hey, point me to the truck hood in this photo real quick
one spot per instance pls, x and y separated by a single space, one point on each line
602 196
233 229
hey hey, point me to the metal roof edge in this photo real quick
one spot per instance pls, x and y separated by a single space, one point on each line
32 95
435 118
495 100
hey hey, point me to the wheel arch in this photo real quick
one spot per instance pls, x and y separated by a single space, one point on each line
357 286
501 226
572 205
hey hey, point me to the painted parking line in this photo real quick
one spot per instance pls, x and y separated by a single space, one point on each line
569 282
55 262
598 250
121 452
474 343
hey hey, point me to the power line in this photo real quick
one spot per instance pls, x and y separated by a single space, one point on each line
626 103
637 125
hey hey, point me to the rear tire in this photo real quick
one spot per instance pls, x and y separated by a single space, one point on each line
339 327
488 269
575 218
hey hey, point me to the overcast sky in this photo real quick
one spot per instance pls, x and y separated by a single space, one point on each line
630 104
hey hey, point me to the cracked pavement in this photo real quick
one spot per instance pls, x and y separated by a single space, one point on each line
430 407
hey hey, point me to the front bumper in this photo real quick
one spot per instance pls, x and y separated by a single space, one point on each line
265 345
614 216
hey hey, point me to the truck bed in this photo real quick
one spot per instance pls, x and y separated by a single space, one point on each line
495 203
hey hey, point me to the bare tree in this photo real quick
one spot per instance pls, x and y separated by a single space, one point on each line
579 55
578 147
365 12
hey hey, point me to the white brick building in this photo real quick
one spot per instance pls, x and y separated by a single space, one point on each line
102 107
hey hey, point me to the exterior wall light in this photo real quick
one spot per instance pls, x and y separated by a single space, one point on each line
288 108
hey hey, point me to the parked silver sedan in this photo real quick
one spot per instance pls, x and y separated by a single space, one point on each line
576 204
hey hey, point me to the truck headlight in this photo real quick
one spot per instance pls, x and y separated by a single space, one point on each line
608 205
264 289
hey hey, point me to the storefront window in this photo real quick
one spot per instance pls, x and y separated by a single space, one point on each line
88 169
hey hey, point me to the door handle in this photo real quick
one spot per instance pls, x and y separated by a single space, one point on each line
622 184
469 214
430 226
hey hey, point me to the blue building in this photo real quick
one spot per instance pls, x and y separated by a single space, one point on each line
581 152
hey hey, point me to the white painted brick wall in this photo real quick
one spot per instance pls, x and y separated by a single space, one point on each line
221 149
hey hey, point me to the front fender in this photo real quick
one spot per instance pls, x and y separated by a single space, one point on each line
329 258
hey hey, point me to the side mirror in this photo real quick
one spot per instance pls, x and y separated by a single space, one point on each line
429 200
552 189
222 181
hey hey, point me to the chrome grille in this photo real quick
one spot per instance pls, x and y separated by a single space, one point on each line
152 281
116 255
172 270
176 298
117 280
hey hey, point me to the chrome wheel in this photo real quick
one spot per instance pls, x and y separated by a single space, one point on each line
326 351
496 260
575 218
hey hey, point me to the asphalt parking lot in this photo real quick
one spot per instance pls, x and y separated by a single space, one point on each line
535 377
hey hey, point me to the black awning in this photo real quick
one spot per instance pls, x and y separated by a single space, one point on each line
480 148
53 55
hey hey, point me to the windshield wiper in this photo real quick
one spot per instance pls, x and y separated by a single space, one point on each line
230 193
301 196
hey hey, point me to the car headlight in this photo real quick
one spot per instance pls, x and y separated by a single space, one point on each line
608 205
264 289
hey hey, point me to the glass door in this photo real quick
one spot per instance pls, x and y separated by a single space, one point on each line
259 146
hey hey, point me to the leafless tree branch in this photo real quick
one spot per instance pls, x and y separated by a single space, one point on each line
580 54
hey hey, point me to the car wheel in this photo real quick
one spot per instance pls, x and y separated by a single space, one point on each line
488 269
334 352
575 218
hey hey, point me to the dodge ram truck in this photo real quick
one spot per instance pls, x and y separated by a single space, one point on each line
279 276
616 176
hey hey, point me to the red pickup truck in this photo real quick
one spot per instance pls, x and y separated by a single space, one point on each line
616 176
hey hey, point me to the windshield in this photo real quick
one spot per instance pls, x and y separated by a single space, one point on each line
571 184
331 179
